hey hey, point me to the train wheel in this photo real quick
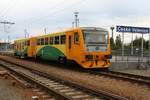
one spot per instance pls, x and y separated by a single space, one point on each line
38 57
25 56
62 60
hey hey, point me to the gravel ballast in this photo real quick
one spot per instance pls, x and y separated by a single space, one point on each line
8 91
123 88
144 72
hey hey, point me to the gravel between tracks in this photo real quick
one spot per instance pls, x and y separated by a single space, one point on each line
130 90
9 92
143 72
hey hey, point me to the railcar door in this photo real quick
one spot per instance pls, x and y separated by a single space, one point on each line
69 45
72 45
32 47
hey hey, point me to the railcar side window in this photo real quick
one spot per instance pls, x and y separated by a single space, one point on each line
63 39
38 42
50 40
28 42
42 41
76 38
20 45
56 39
69 42
23 44
46 41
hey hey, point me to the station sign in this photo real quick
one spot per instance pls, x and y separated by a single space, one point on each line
130 29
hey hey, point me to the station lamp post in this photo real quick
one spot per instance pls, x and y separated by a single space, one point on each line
112 29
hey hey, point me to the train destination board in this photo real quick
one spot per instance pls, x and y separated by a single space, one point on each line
130 29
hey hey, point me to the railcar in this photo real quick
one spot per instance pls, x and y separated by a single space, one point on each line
87 46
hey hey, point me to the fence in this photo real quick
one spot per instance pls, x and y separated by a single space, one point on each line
128 57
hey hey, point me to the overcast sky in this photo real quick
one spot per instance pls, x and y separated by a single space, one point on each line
55 15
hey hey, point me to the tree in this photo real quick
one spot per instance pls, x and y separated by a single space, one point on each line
112 43
138 41
118 42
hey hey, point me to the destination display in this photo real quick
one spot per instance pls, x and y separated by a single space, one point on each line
130 29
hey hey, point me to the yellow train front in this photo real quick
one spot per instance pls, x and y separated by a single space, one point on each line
87 46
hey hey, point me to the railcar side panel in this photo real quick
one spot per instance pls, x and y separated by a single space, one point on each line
51 51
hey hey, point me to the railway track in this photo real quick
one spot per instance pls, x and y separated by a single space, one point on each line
61 89
144 80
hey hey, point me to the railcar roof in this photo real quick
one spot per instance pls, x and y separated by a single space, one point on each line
93 28
22 39
51 34
63 32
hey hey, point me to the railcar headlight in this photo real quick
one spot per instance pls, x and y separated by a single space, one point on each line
89 57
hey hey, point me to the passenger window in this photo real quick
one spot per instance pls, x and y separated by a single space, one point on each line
63 39
23 44
42 41
56 39
50 40
46 41
28 42
76 38
69 42
38 42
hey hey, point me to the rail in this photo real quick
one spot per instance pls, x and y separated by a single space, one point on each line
60 88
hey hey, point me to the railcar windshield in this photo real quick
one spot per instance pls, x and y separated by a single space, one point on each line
95 40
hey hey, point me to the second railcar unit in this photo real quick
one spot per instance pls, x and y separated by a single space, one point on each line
87 46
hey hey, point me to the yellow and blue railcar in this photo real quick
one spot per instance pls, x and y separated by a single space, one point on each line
87 46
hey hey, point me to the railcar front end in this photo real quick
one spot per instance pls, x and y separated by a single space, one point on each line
90 47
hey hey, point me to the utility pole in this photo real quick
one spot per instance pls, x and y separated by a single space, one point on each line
112 38
45 30
112 30
72 24
76 18
78 21
25 33
6 23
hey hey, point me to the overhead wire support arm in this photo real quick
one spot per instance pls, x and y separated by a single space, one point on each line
6 22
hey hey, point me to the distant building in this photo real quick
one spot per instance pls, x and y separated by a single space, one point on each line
5 46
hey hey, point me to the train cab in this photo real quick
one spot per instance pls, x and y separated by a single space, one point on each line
89 47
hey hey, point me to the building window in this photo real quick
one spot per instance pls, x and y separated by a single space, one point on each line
56 39
46 41
50 40
76 38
